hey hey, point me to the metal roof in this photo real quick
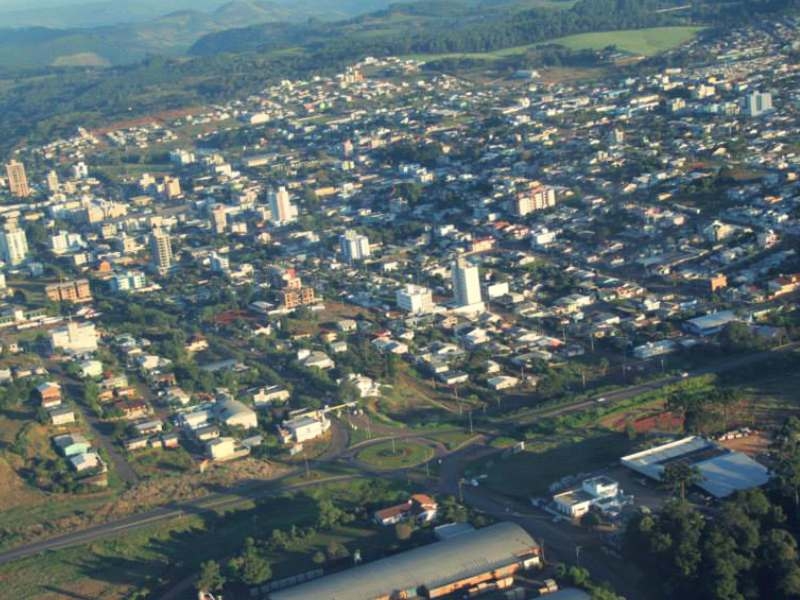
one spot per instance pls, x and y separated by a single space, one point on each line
568 594
436 564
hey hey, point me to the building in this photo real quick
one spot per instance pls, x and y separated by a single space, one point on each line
601 492
219 218
61 415
71 444
535 197
86 462
13 244
293 298
758 103
160 251
466 285
710 324
722 471
479 560
49 394
77 290
306 427
717 282
52 182
172 188
127 281
74 338
233 413
273 394
17 179
280 207
354 246
414 299
419 507
64 241
221 448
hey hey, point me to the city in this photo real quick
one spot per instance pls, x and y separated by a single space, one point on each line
407 331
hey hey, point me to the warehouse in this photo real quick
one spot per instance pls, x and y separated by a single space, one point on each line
722 471
482 559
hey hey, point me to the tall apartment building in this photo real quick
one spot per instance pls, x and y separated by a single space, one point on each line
758 103
281 207
292 292
415 299
466 284
127 281
77 290
219 218
160 251
354 246
536 197
52 182
13 245
17 179
172 188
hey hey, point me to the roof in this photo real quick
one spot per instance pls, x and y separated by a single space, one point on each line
433 565
722 472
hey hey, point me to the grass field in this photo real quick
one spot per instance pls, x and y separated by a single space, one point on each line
531 472
399 456
647 42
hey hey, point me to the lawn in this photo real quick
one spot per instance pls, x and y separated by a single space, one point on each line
398 456
647 42
531 472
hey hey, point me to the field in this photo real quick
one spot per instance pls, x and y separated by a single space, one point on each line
531 472
397 456
647 42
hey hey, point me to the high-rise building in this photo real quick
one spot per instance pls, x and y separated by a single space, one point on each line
172 188
466 284
758 103
219 218
160 251
52 182
17 179
354 246
13 245
535 197
415 299
281 207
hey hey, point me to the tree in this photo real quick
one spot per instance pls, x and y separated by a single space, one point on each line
210 579
403 530
250 566
591 520
336 550
679 475
319 557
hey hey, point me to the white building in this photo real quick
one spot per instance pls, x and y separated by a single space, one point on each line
160 251
415 299
127 281
13 245
74 337
307 427
758 103
221 448
600 491
281 207
354 246
64 242
233 413
466 285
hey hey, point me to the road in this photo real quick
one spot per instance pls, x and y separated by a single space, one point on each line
560 540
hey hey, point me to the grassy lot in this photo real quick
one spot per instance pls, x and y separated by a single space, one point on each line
403 454
451 439
531 472
157 557
155 462
634 41
647 42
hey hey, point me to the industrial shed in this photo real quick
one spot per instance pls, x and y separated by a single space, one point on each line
722 471
484 556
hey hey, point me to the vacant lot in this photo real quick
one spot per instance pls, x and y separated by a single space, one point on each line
531 472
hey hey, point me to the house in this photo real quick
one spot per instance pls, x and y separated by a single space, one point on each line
318 360
133 409
221 448
71 444
148 427
502 382
136 443
306 427
90 368
601 492
272 394
86 462
49 394
170 440
61 415
178 396
419 507
207 433
233 413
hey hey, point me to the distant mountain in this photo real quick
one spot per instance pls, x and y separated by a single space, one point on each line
169 35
